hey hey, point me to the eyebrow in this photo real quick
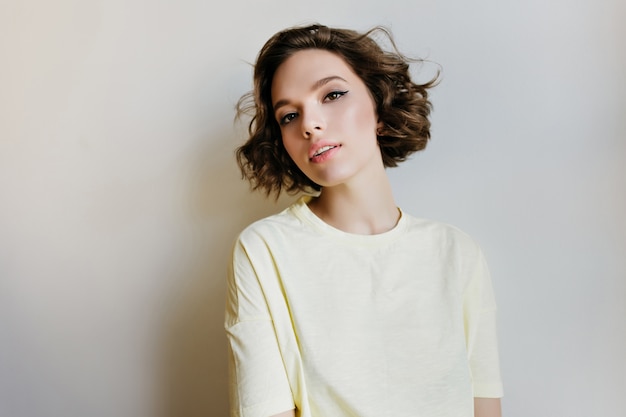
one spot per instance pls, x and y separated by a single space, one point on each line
315 86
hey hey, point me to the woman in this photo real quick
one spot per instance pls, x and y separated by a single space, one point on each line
342 304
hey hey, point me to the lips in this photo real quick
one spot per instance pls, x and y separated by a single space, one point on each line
321 149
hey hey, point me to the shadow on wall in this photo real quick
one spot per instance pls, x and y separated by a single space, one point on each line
194 367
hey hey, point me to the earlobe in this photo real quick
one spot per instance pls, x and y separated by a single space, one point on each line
379 128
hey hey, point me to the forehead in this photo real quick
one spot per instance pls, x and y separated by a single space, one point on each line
304 68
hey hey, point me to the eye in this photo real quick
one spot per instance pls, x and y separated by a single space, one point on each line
287 118
335 95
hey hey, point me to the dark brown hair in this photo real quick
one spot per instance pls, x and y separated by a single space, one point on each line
401 105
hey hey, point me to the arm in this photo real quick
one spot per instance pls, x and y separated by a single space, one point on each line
485 407
481 333
290 413
254 354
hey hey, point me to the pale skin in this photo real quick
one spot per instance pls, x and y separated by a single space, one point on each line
356 196
320 104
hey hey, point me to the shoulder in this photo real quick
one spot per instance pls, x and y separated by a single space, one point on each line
452 247
438 229
444 235
281 226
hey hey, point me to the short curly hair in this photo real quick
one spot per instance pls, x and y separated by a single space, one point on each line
401 105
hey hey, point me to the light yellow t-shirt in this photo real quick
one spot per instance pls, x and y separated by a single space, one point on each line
399 324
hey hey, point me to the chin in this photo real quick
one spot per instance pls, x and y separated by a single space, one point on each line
330 183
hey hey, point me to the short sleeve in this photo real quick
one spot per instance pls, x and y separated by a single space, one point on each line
258 385
481 332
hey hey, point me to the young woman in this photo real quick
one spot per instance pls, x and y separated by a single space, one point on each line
342 304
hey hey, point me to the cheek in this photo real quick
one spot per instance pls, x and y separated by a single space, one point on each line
363 117
292 148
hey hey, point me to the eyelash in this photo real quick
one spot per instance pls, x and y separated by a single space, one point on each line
338 95
290 116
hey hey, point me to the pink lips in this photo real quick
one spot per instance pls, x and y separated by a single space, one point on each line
322 151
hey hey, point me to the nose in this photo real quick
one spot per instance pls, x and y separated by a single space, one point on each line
313 121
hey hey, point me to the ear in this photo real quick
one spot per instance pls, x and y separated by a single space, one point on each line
379 127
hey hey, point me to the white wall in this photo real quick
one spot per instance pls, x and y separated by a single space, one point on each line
119 196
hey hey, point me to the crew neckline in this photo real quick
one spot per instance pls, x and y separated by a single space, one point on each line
303 212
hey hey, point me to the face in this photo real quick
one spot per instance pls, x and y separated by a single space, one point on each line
327 118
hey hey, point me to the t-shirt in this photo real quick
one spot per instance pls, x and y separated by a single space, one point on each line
336 324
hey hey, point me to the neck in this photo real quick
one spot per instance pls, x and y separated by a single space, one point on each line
367 209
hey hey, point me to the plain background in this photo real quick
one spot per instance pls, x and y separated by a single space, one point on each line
120 198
